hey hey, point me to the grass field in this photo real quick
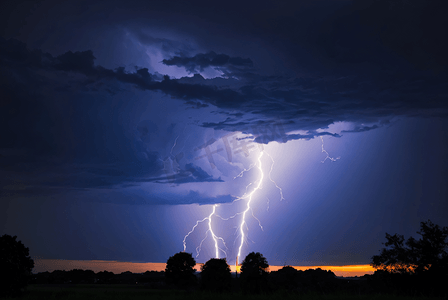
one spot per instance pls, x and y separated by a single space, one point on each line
112 292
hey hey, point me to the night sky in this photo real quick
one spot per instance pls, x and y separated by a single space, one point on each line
122 123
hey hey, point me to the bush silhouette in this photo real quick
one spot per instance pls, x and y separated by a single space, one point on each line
286 278
105 277
15 265
215 275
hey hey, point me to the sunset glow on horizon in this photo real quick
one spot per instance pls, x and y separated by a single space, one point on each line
116 267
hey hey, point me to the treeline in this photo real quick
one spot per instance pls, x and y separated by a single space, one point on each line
404 267
286 279
220 280
77 276
407 267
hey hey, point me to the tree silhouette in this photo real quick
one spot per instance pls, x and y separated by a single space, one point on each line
418 265
180 270
215 275
15 265
415 256
254 273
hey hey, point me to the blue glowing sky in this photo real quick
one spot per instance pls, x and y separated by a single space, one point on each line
109 108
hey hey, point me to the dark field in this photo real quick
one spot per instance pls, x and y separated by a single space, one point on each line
96 291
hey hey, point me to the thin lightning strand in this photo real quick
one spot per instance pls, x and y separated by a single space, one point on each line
231 217
175 142
259 223
245 195
172 148
171 155
244 171
191 231
328 155
270 178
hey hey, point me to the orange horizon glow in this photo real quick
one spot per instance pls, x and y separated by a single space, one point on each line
117 267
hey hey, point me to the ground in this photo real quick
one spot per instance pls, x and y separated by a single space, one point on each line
116 292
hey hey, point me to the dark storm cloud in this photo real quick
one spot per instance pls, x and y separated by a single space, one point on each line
203 60
196 104
362 128
193 197
75 62
191 173
41 179
263 139
37 175
302 103
414 29
364 63
166 45
58 136
83 63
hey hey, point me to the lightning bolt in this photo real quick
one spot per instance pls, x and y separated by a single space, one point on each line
210 229
328 155
248 207
259 186
242 229
249 197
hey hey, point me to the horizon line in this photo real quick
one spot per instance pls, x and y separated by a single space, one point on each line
117 267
